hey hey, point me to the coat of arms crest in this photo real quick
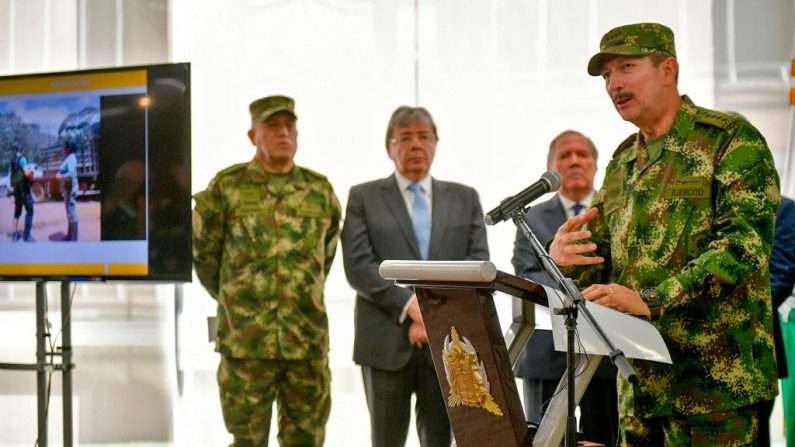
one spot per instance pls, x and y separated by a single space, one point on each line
466 375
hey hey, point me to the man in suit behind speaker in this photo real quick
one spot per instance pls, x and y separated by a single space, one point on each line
573 156
406 216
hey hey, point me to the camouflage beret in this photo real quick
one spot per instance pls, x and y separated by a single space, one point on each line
639 39
264 108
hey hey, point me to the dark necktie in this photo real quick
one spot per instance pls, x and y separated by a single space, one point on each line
577 208
421 220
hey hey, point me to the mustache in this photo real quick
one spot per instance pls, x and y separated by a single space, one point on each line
622 95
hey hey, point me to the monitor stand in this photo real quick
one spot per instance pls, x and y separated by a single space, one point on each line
45 362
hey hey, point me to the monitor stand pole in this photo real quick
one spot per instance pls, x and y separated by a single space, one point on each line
66 362
42 366
45 364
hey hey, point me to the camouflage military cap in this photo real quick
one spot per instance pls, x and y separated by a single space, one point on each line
264 108
639 39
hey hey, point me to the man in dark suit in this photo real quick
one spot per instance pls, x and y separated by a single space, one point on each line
573 156
782 280
407 215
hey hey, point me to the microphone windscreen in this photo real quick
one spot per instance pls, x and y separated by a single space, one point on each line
552 179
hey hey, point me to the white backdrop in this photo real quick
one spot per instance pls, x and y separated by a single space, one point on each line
500 78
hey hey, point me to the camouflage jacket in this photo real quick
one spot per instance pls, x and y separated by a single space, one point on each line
696 223
264 255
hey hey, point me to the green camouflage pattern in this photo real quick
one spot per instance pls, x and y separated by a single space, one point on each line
263 108
696 223
247 391
637 40
725 429
264 254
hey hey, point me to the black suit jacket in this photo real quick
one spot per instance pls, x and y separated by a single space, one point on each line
377 228
539 360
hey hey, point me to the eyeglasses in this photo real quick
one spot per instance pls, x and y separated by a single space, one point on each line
407 138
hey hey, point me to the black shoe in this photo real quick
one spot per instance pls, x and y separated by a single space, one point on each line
29 238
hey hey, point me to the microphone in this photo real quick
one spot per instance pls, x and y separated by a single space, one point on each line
549 181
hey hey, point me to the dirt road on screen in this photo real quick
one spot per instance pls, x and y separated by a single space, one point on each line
49 221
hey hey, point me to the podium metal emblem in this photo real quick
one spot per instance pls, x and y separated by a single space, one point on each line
466 375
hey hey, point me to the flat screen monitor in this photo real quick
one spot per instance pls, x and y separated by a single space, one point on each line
106 169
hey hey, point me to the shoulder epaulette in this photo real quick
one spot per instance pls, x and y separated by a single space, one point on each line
627 143
314 173
717 119
231 169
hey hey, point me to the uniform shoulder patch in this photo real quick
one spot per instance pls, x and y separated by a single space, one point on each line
718 119
627 143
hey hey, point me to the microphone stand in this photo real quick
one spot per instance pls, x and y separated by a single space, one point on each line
573 304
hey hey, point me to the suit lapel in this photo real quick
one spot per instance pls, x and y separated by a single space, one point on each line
548 216
556 214
393 199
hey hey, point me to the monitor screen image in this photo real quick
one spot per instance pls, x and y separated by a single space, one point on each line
95 174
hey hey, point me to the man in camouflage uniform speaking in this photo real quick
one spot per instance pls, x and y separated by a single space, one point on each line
265 233
683 225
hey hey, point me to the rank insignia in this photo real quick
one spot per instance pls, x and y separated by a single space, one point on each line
466 375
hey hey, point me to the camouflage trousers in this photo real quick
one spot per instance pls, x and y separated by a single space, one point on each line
736 427
300 388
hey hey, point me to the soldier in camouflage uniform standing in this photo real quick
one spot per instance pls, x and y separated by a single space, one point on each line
683 225
265 234
20 180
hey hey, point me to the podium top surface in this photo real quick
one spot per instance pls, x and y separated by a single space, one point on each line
463 271
467 274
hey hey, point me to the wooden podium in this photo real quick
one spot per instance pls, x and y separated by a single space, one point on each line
469 351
